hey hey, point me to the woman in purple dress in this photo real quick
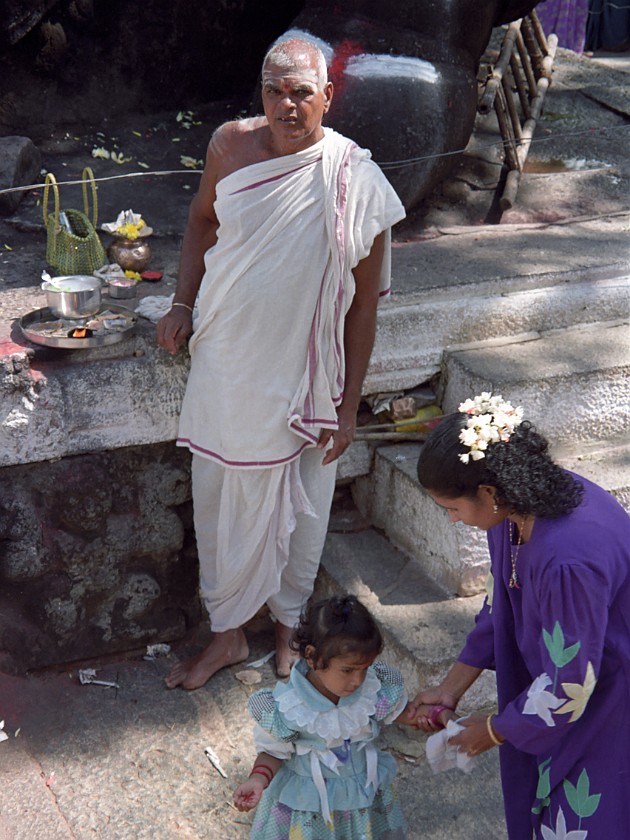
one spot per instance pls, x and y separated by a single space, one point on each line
567 19
555 625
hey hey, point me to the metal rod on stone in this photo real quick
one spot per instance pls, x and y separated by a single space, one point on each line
399 436
398 424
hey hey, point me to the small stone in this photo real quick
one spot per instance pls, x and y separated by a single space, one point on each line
403 407
249 676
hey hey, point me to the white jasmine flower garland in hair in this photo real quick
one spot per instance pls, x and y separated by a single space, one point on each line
490 420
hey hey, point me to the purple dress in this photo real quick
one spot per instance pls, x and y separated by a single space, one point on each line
567 19
560 645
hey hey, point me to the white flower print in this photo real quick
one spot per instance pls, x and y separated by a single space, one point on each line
539 702
561 832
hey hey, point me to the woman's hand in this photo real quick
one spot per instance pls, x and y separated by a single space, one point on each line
424 702
475 739
247 795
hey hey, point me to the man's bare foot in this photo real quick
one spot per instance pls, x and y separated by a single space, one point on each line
225 649
285 656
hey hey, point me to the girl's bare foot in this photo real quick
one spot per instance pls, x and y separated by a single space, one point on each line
225 649
285 656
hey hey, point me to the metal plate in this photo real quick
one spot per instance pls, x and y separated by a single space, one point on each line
39 316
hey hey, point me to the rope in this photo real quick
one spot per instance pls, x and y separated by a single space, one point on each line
390 164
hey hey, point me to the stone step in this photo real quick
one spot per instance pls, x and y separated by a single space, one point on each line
573 384
424 628
479 304
455 556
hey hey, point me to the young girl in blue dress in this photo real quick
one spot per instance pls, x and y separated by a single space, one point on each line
318 774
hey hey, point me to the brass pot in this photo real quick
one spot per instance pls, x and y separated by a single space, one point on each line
130 254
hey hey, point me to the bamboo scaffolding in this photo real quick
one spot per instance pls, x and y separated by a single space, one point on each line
523 69
486 102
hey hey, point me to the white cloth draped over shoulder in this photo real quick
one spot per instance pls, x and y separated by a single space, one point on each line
267 351
267 368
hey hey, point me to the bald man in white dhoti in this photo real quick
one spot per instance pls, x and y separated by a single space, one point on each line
286 253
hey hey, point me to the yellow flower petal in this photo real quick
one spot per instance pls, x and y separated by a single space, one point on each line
579 694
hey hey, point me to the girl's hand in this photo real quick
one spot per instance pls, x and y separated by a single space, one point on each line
417 714
247 795
422 705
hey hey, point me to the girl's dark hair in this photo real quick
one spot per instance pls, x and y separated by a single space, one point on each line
526 479
335 627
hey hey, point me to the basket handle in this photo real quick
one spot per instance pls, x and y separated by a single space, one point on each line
51 181
89 175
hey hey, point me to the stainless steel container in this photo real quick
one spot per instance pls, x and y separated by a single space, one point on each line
122 288
73 296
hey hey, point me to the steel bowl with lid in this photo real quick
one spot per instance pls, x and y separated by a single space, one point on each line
73 296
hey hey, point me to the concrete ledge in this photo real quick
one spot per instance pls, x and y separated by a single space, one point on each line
574 384
414 329
454 556
57 403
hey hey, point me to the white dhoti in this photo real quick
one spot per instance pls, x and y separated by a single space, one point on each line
267 369
251 509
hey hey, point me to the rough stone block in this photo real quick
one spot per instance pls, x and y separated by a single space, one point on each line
99 555
20 164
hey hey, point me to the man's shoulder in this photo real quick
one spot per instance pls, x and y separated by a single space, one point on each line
238 130
236 144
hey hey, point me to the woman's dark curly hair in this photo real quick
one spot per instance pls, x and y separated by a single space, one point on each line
526 479
336 627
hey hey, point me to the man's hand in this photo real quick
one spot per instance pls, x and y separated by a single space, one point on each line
341 437
174 328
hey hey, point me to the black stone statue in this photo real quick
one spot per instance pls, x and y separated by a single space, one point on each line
405 77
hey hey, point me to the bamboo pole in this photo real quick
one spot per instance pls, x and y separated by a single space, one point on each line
500 68
512 183
521 84
533 47
511 156
526 64
511 108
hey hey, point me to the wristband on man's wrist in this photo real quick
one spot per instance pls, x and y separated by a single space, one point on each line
185 305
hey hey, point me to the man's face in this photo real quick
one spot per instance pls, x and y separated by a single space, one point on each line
294 105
